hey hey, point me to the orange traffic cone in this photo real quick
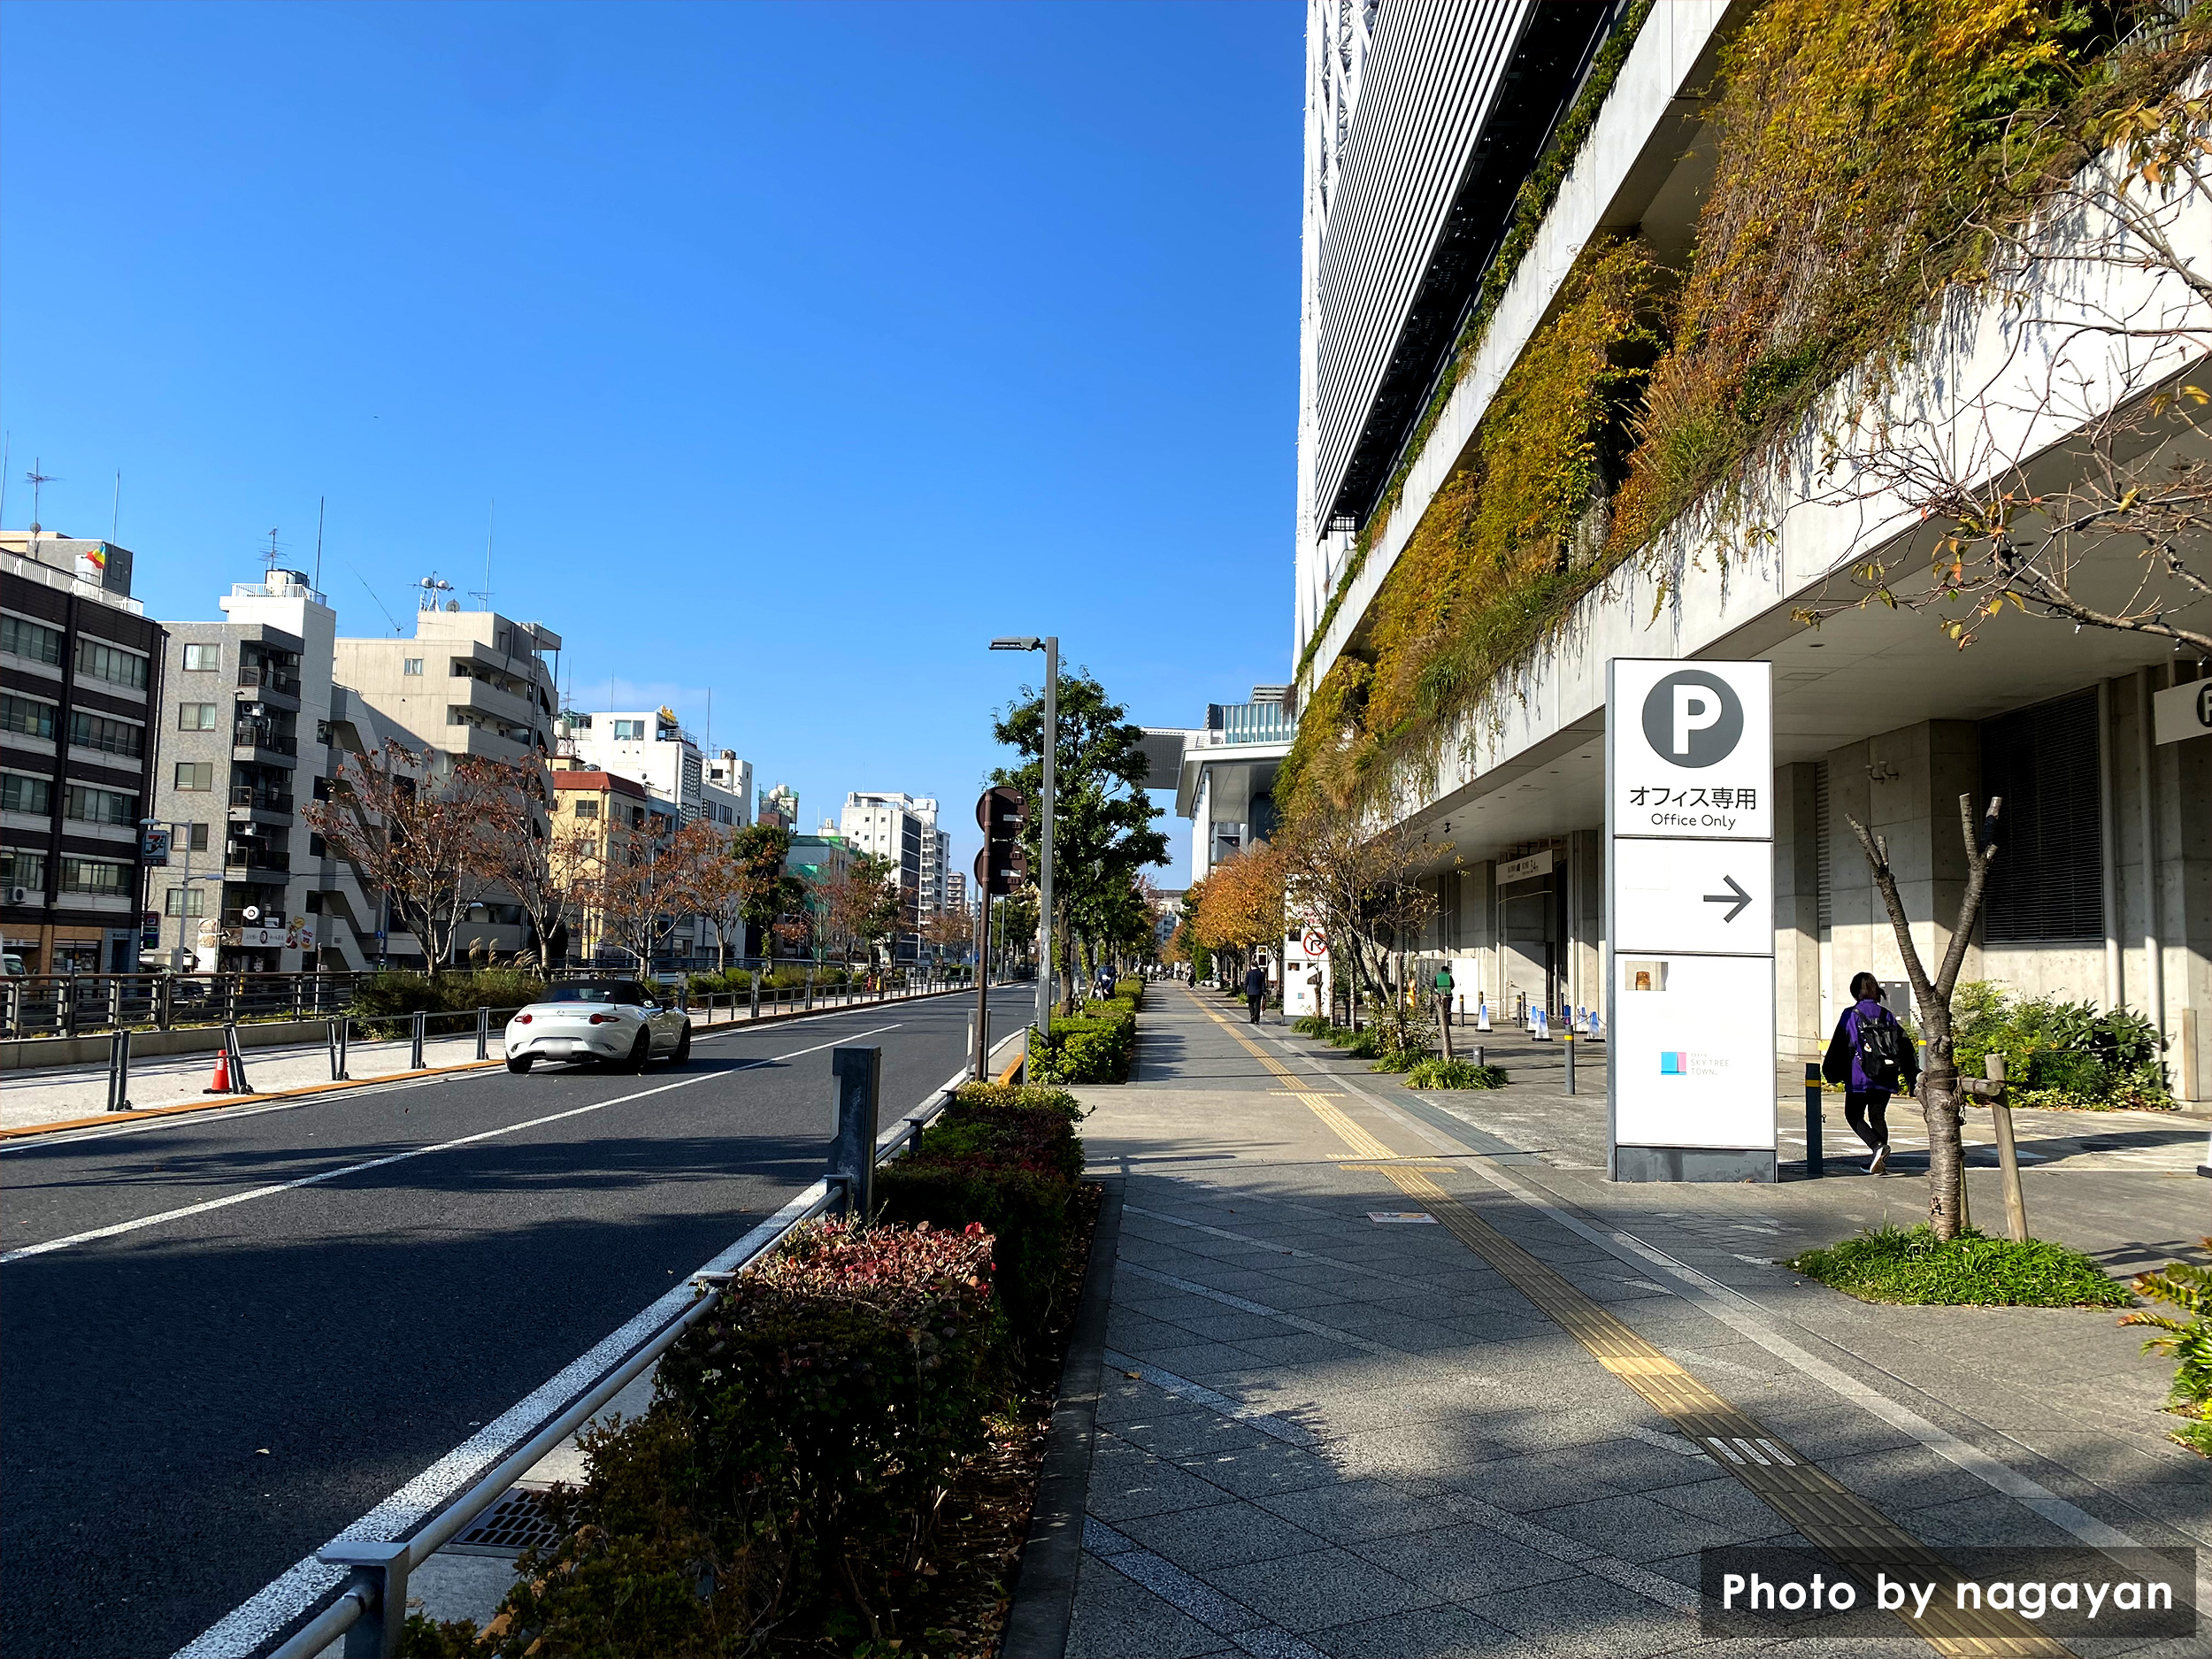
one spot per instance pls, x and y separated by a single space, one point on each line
221 1086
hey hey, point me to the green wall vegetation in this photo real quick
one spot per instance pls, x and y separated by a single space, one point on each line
1863 156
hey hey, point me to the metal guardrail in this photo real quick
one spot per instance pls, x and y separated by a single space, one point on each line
375 1592
84 1005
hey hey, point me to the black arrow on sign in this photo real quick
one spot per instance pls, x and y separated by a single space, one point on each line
1736 898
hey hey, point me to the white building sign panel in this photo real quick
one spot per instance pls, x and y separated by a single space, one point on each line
1689 762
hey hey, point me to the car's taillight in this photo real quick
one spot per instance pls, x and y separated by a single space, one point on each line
522 1019
601 1019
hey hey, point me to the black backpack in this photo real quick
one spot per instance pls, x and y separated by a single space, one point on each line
1881 1052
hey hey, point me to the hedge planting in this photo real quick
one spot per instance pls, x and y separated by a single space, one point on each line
1097 1046
1010 1158
781 1490
388 999
779 1495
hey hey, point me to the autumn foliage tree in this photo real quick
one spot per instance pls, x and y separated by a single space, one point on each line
1239 905
408 835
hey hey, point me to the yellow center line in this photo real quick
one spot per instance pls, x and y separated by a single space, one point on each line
1825 1511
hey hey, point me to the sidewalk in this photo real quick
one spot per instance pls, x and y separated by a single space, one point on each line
1400 1374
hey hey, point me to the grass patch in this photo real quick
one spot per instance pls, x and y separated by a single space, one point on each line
1909 1265
1454 1074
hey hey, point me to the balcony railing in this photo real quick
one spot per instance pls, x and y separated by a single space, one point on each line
262 800
269 678
252 855
246 733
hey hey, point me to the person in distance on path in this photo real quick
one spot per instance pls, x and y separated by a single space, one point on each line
1443 988
1872 1056
1255 986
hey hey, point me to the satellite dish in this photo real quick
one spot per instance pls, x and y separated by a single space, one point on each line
252 912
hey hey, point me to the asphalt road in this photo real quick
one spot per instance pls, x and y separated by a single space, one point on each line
190 1407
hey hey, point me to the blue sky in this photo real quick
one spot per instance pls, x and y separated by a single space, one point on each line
803 348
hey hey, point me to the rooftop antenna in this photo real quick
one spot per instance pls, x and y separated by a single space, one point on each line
430 587
320 502
269 559
7 450
38 480
115 515
490 522
380 605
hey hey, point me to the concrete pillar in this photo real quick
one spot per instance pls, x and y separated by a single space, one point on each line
1798 1035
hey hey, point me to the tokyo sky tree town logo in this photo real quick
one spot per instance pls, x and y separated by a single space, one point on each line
1693 718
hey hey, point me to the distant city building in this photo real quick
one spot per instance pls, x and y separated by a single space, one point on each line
957 890
779 806
650 745
901 828
725 796
469 682
78 739
1223 773
596 815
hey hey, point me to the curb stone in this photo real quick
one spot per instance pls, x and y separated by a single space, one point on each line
1044 1582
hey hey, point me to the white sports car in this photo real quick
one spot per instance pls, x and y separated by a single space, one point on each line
620 1022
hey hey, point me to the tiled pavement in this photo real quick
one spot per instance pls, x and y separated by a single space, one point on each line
1322 1433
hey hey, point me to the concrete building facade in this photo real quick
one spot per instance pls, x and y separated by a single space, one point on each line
2104 890
79 746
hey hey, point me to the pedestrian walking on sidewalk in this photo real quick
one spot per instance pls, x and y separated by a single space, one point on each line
1444 994
1255 986
1872 1056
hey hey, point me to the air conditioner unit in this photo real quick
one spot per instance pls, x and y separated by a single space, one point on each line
19 896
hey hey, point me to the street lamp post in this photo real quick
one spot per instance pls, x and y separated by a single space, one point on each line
1050 645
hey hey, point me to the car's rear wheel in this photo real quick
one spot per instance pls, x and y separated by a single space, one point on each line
641 1051
683 1044
520 1063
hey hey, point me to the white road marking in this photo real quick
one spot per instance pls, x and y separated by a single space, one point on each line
143 1222
292 1592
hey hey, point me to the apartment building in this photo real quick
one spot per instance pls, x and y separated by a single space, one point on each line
650 745
597 815
467 682
245 721
77 747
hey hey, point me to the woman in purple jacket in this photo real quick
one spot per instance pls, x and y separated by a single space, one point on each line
1873 1058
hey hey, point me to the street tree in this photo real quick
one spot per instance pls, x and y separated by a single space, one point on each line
1942 1100
1363 883
1240 910
749 886
866 906
1104 835
645 890
546 868
409 836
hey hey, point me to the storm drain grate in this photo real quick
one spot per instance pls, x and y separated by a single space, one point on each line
518 1521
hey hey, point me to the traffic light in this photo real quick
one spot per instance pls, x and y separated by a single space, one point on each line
1000 813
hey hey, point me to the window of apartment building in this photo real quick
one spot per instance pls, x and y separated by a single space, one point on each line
22 793
629 731
90 805
195 716
110 663
95 875
587 848
33 640
588 808
199 659
411 665
21 868
26 715
316 848
88 730
196 774
192 835
186 902
2049 884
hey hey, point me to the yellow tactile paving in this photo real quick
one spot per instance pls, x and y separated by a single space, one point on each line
1828 1513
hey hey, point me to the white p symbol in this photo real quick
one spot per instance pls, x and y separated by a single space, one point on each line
1695 708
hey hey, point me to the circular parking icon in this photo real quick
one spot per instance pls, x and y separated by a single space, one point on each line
1693 718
